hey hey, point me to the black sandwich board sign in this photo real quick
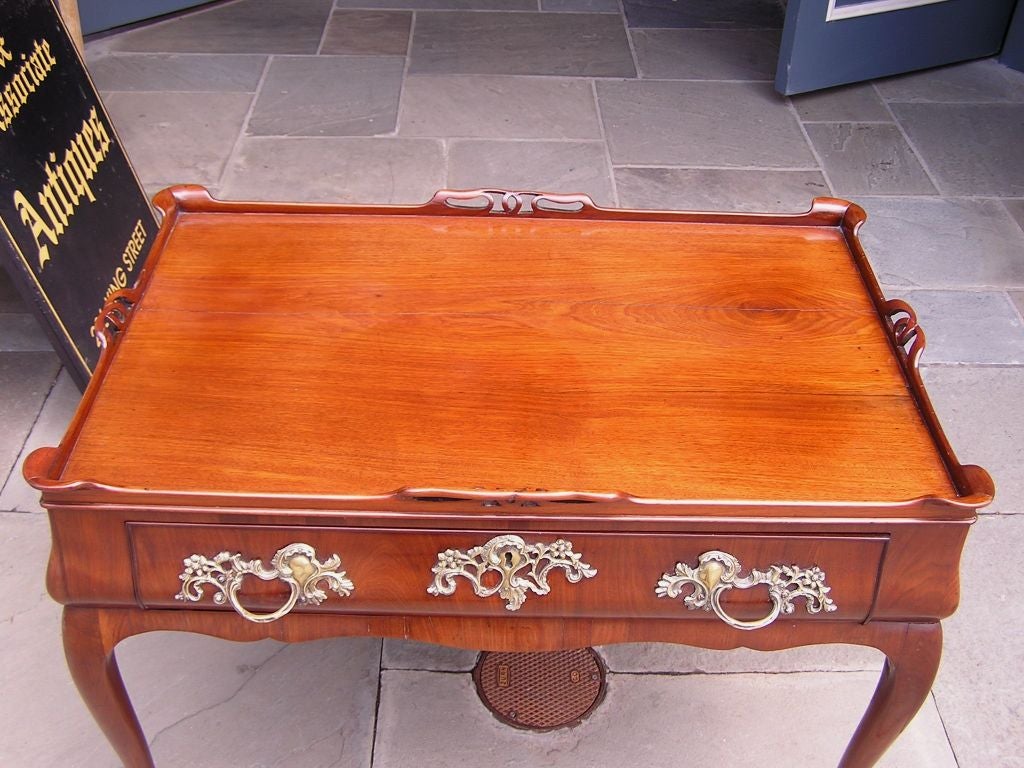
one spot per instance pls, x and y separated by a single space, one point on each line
75 220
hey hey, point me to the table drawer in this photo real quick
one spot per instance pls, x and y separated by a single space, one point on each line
389 571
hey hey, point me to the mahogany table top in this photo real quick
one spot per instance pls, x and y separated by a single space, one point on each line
399 421
346 351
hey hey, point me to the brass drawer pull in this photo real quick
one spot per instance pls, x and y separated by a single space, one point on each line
521 566
718 572
296 565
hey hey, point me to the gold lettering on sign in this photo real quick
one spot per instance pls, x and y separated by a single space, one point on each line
129 258
67 183
29 76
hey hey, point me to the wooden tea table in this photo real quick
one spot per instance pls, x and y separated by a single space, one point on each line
507 421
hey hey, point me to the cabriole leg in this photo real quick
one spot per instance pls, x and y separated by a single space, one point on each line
89 647
912 659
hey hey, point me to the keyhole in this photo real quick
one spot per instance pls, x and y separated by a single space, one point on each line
508 560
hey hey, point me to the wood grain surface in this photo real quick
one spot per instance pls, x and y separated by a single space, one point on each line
355 355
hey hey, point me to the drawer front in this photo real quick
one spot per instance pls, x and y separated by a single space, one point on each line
389 571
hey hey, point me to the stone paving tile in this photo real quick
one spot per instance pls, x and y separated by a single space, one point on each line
593 6
368 32
970 149
349 170
48 430
24 555
1017 297
582 44
973 81
850 103
491 107
248 26
719 190
544 166
656 123
709 14
177 72
442 5
868 159
172 675
982 413
1016 209
648 720
948 242
312 703
666 658
25 380
37 686
973 327
707 54
328 96
409 654
178 137
977 690
21 332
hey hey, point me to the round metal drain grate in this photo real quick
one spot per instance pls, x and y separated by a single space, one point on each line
540 691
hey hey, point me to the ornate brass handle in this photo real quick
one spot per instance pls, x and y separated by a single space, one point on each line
521 566
296 565
718 572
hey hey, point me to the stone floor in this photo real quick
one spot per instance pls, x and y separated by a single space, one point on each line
646 103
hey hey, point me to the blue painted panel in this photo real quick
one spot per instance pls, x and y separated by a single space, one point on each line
1013 48
99 15
817 54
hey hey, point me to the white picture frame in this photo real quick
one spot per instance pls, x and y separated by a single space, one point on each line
871 7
